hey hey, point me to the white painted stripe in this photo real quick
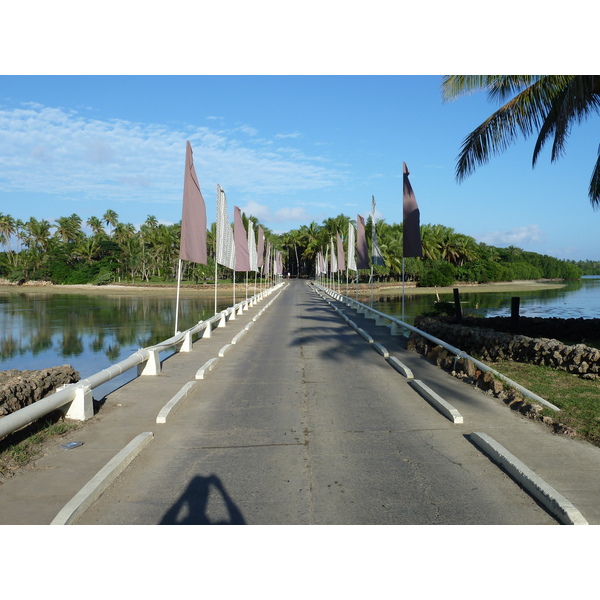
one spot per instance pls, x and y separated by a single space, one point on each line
556 503
437 401
184 392
92 490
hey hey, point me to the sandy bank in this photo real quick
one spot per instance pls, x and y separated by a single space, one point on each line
226 290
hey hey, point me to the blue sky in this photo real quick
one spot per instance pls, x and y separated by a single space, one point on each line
288 149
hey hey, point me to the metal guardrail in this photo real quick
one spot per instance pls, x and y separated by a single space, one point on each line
147 360
456 351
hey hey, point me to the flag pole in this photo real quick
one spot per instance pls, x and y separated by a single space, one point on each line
177 306
215 285
403 289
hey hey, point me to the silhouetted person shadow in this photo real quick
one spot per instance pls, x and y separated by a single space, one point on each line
193 503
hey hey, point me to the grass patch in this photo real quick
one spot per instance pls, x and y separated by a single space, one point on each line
578 399
22 447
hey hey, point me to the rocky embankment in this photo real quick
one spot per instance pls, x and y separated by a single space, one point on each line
490 345
490 340
22 388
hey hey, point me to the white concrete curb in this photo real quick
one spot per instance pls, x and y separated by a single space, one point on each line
437 401
184 392
239 336
365 335
224 350
92 490
557 504
209 365
381 349
400 367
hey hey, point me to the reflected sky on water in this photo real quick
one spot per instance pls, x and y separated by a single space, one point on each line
89 332
577 299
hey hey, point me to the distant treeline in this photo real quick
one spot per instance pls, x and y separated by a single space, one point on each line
63 253
588 267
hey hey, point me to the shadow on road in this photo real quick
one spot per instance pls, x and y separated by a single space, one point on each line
191 508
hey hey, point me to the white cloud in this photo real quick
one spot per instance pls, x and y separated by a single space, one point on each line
296 134
281 215
529 234
52 150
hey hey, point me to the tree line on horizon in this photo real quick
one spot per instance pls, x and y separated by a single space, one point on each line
113 251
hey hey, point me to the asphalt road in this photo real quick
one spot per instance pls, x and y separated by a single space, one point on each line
303 423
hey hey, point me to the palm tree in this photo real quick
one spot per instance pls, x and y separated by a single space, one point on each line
95 224
548 104
67 228
87 249
7 230
37 233
111 218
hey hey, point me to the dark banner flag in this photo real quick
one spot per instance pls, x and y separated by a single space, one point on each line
411 228
193 220
362 261
242 257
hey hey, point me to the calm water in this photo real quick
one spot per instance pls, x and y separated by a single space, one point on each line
576 299
88 332
93 332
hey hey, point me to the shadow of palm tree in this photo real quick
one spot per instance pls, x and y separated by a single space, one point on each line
191 508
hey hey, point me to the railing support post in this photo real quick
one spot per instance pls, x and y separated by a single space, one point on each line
81 408
395 329
187 342
152 365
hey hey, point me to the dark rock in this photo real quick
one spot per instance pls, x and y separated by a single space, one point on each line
22 388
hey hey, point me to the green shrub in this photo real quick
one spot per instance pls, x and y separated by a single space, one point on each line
439 273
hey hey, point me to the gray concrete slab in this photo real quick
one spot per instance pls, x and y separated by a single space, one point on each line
302 422
569 465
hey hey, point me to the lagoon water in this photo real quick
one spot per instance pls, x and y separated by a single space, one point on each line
577 299
92 332
89 332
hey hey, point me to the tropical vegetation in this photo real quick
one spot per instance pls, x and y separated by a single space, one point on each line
547 104
112 251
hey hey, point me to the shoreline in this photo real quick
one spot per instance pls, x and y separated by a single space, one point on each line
226 290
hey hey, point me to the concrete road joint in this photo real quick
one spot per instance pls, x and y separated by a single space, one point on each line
437 401
90 492
556 504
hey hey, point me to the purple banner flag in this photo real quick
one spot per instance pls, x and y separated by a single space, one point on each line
361 245
333 258
341 259
411 228
193 220
268 259
242 257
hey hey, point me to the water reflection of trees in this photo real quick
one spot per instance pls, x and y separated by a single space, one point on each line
74 324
